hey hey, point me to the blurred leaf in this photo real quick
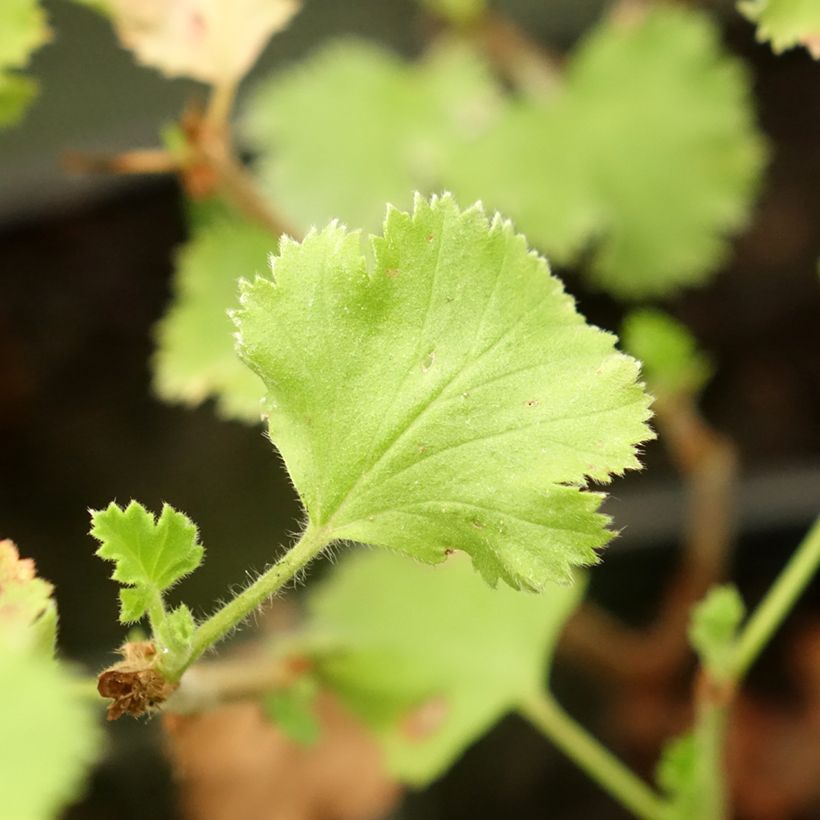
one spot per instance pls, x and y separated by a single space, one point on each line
650 150
356 126
293 710
195 355
28 613
672 362
23 29
786 23
449 398
49 736
677 775
713 629
210 40
149 555
431 657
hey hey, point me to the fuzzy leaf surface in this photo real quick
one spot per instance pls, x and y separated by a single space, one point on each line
786 23
652 111
213 41
49 735
150 555
431 657
449 397
196 357
23 29
672 362
403 125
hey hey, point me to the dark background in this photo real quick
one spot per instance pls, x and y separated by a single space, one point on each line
85 269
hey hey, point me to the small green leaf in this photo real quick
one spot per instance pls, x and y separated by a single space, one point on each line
49 736
293 711
713 629
28 614
450 397
176 631
16 94
430 657
195 355
786 23
405 124
677 775
672 362
149 555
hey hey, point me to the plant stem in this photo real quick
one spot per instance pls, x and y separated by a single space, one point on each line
710 732
272 580
778 601
544 712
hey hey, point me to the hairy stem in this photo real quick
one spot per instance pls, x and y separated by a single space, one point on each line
778 602
598 762
209 632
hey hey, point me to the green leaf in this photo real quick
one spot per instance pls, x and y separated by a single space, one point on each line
459 12
23 29
450 397
149 555
672 362
176 631
713 630
676 115
195 356
293 711
402 125
28 613
677 775
429 657
649 151
786 23
49 735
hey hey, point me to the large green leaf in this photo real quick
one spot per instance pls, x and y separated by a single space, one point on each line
150 555
448 397
786 23
649 151
49 735
23 29
357 126
431 657
195 356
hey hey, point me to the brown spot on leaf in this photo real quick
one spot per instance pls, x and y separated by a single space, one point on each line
533 403
134 684
391 273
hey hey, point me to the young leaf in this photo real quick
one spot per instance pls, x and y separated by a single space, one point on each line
786 23
49 735
176 630
23 29
432 657
677 775
210 40
28 614
672 362
449 398
149 555
406 123
714 626
195 355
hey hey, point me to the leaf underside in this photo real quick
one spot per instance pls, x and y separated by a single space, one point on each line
449 397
